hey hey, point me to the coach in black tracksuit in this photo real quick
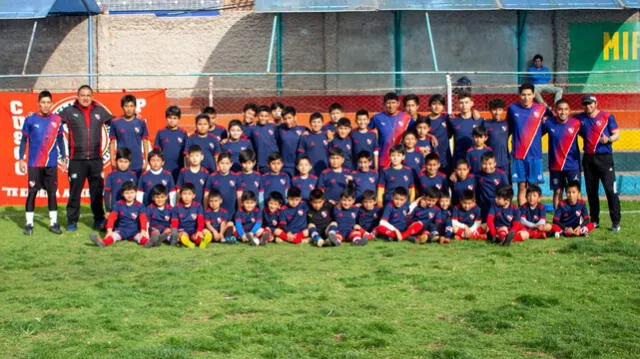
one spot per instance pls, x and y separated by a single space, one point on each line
85 120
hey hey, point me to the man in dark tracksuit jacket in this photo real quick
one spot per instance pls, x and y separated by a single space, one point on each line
85 120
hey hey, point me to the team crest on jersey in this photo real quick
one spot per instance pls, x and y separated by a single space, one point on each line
202 181
431 215
598 122
97 116
372 180
136 129
504 128
324 214
325 142
470 187
406 178
54 124
571 130
256 184
369 141
164 182
348 146
300 212
417 160
167 217
578 213
439 186
134 215
36 125
253 220
232 183
219 220
270 132
472 216
274 222
353 214
299 132
509 217
194 216
535 218
211 145
496 181
180 139
283 181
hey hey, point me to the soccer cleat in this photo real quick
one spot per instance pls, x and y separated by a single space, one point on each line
412 239
55 228
424 239
96 240
265 239
206 240
164 237
72 227
154 239
173 237
252 239
557 235
99 224
279 240
28 230
149 242
334 239
320 243
360 242
305 240
615 228
444 240
508 239
184 239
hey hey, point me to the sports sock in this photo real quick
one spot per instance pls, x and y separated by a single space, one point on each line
53 217
414 228
29 216
108 240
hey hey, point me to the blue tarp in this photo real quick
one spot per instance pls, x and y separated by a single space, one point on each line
34 9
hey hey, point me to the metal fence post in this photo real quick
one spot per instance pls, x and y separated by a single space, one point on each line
449 94
211 91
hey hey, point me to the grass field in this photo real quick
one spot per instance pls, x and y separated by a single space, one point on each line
62 297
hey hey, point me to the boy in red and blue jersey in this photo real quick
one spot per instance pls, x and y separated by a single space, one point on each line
571 217
487 181
219 131
248 219
314 144
445 228
159 215
236 143
275 180
503 221
369 215
414 158
319 217
155 175
461 180
44 132
533 215
343 141
271 216
217 220
207 141
391 125
249 179
439 128
525 123
305 181
127 220
365 139
130 131
263 136
345 216
289 134
114 181
432 177
171 141
393 222
564 154
187 220
336 112
249 112
194 173
397 175
425 218
292 222
498 130
424 144
462 127
466 218
474 154
365 178
334 179
225 182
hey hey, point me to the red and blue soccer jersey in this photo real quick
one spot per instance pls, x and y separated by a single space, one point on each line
499 141
525 125
346 145
392 178
564 154
247 220
467 218
396 216
234 148
345 219
462 130
440 129
249 182
532 214
288 142
428 216
127 219
333 183
314 146
460 186
220 132
474 157
445 227
270 220
197 179
306 185
369 220
390 131
275 183
148 179
45 140
415 161
293 219
365 181
264 138
216 218
210 149
572 216
188 219
159 218
364 141
592 129
113 183
439 182
487 184
425 144
129 134
228 187
504 217
171 143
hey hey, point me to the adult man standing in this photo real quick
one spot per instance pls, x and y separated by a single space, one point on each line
391 125
599 129
85 120
541 80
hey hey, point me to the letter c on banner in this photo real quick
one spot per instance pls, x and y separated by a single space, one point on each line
16 107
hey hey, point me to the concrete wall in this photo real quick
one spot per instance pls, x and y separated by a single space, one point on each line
238 41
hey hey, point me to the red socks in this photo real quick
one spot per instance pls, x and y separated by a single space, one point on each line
108 240
386 232
414 228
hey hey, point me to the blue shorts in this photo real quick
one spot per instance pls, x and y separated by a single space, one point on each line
527 171
560 179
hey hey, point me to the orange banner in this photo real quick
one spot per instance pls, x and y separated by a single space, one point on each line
14 107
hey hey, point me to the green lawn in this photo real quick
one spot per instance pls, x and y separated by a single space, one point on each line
61 297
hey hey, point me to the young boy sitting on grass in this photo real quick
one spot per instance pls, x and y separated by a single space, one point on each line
503 221
292 226
466 218
533 215
159 215
344 221
571 217
393 222
217 220
187 221
319 217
